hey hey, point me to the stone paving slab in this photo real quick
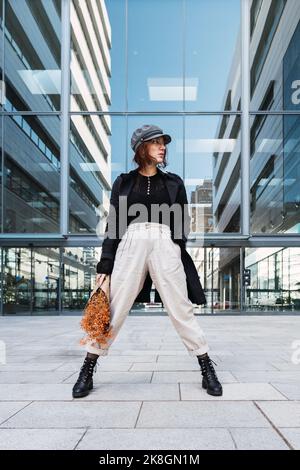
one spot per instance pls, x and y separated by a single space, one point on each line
116 377
200 414
137 392
75 414
9 409
267 376
286 366
232 392
34 367
282 414
289 390
293 436
189 377
157 439
36 439
258 439
21 359
33 377
35 392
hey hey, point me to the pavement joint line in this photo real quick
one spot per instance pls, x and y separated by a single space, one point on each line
28 404
80 439
69 376
275 388
55 369
273 426
234 442
132 428
146 400
138 415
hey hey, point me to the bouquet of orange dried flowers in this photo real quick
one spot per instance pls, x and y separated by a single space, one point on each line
96 315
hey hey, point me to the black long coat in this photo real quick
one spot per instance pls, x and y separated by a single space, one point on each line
177 193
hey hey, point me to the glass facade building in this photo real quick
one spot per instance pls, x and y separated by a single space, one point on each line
222 77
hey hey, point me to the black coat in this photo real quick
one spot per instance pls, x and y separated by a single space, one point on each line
177 193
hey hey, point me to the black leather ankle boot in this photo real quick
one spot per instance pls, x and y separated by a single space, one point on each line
210 380
85 380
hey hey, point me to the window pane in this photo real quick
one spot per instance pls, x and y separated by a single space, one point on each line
213 62
31 179
17 281
32 54
116 10
274 279
1 54
212 172
275 56
90 56
221 276
45 266
93 169
1 175
78 275
155 55
274 174
291 68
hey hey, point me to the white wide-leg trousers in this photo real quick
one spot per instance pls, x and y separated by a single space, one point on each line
144 247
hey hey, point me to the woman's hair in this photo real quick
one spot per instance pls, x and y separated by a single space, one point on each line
142 157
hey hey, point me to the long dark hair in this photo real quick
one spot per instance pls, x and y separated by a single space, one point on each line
142 157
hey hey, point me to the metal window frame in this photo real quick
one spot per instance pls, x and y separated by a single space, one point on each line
65 110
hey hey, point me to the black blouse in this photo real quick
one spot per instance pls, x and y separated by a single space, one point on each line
147 190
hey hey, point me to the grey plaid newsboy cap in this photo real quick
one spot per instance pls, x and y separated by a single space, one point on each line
147 132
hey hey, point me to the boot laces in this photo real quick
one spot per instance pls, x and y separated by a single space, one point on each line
88 367
207 367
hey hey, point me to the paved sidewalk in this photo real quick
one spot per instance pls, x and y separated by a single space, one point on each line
147 392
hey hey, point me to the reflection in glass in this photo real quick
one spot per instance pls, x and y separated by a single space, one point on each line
78 276
2 90
90 56
45 279
212 172
17 281
1 176
31 180
274 174
274 279
212 55
92 170
155 55
221 274
275 54
116 11
35 278
33 55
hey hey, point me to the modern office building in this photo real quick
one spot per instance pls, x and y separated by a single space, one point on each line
274 148
221 76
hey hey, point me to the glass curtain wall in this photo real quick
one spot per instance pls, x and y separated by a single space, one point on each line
77 77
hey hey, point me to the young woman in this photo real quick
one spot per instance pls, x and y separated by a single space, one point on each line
150 246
